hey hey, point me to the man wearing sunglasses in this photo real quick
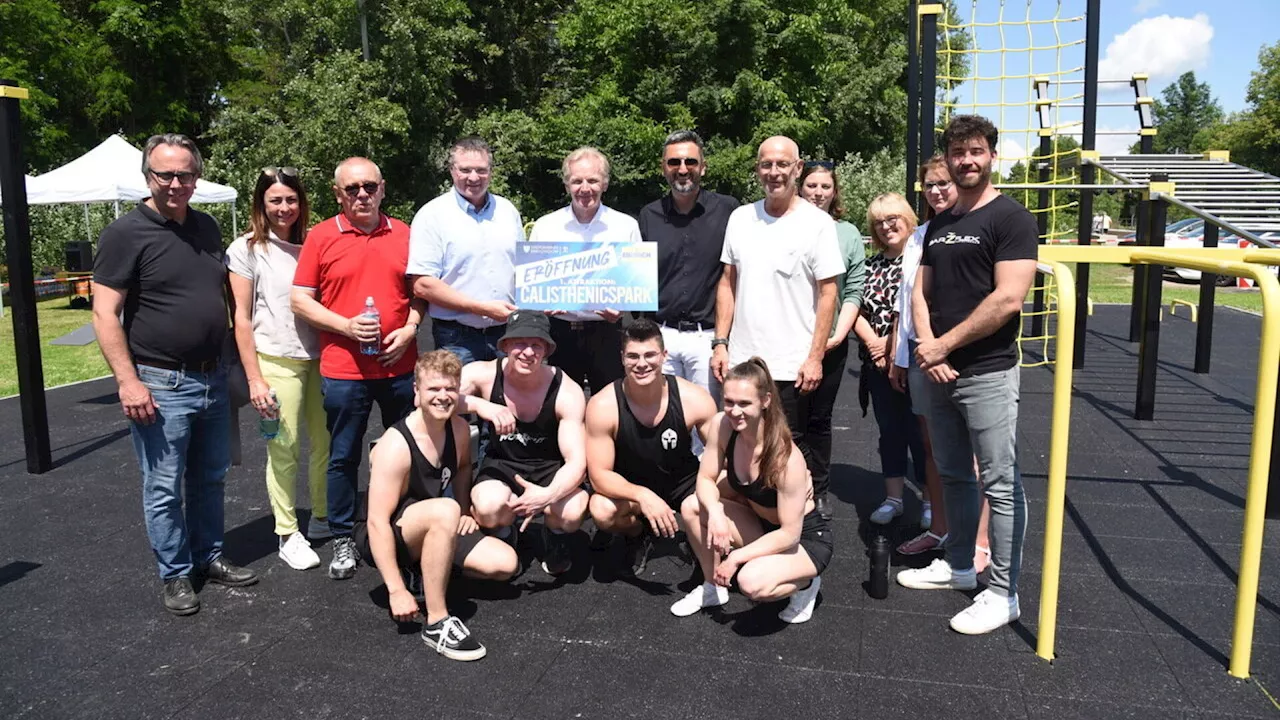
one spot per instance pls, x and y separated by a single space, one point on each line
162 265
462 256
358 254
688 224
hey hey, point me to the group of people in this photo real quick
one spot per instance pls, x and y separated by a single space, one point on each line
711 416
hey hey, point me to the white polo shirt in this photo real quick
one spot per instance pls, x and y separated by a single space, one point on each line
608 226
779 261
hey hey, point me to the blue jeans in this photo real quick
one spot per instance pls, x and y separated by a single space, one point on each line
347 406
899 429
184 454
468 343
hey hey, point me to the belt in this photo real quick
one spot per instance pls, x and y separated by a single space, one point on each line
686 326
200 366
455 323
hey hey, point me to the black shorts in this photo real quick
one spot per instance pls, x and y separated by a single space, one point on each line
815 538
675 494
404 559
540 473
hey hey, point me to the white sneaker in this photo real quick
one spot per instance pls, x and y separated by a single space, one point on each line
800 609
938 576
704 596
988 612
318 528
887 511
296 552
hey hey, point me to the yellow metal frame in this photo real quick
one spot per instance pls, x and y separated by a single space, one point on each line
1175 304
13 91
1247 263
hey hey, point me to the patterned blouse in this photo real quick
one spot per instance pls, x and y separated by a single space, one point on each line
880 297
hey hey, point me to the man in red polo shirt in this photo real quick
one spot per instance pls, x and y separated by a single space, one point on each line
358 254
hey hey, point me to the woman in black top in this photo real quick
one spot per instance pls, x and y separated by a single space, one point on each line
760 522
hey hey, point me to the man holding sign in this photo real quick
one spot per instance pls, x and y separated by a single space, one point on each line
588 340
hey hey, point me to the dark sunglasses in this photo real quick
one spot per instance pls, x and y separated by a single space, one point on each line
278 171
354 189
826 164
687 162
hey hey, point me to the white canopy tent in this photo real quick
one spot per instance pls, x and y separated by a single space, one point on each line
112 173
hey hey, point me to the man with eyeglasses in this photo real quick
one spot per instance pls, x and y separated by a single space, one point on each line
688 225
162 265
588 343
358 254
462 256
777 296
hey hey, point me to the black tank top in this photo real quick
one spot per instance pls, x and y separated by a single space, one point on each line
756 492
426 481
658 457
534 441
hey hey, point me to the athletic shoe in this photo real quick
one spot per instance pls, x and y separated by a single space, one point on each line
823 506
296 552
704 596
557 560
922 543
800 609
988 612
452 639
938 576
637 552
887 511
318 528
926 515
343 565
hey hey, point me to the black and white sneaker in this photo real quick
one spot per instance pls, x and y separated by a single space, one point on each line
452 639
557 560
343 565
636 555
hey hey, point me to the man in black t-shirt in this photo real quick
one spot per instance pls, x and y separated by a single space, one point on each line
978 264
162 264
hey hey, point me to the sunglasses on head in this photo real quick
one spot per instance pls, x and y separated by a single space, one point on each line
353 190
278 171
687 162
826 164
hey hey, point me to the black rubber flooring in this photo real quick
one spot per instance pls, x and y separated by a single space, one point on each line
1152 546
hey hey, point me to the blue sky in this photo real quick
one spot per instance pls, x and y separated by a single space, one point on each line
1164 38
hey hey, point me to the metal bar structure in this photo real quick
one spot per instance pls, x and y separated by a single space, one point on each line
1140 272
1149 350
1204 323
1042 226
913 106
929 76
22 289
1088 143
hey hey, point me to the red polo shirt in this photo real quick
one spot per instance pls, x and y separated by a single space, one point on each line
344 266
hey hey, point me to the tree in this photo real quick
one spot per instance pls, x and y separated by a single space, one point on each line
1185 108
1253 136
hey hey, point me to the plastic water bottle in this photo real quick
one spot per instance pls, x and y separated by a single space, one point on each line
375 347
270 426
878 579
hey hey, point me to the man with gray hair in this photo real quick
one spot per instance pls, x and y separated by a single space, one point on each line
688 225
462 248
588 343
162 265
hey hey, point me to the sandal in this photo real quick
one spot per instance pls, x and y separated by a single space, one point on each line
922 543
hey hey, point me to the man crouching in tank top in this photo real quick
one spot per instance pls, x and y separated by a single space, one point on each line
536 457
413 522
640 445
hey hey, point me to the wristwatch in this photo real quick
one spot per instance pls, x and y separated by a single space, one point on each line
719 341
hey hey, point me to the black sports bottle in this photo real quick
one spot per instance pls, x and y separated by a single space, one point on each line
878 582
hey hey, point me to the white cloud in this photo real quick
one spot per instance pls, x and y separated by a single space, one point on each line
1115 144
1163 47
1145 6
1008 153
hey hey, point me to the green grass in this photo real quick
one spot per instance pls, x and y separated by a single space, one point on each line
62 363
1114 284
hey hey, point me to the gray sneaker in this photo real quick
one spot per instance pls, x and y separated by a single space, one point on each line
343 565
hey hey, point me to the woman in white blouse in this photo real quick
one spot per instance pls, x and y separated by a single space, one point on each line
281 355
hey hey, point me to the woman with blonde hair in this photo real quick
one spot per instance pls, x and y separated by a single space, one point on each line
281 355
760 521
891 221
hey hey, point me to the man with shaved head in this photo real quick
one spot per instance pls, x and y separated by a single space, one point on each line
785 251
357 255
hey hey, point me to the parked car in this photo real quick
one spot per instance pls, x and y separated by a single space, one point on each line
1170 229
1195 239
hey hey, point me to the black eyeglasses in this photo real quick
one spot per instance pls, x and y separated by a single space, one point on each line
687 162
827 164
166 178
277 171
353 190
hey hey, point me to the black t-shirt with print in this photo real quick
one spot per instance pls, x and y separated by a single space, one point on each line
961 252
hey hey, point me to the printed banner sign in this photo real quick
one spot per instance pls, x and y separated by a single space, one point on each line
587 276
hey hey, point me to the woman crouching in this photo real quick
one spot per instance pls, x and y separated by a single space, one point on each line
758 522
